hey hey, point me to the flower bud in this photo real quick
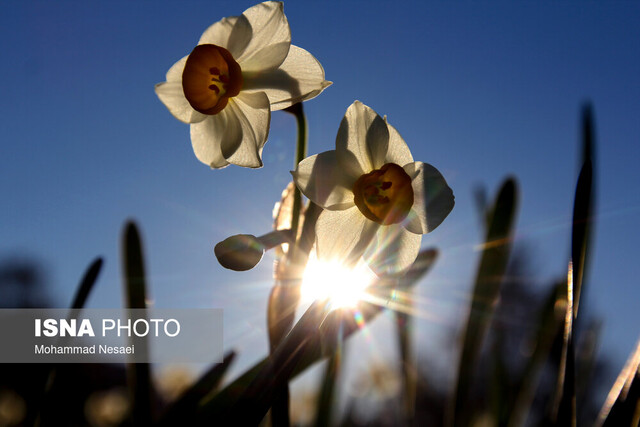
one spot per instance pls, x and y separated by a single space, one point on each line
240 252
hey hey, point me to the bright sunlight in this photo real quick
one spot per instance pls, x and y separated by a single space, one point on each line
342 286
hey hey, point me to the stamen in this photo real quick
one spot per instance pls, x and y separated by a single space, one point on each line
384 195
211 77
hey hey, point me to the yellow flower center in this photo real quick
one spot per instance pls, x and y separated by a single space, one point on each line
384 195
211 76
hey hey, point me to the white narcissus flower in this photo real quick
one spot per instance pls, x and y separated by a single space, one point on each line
243 68
377 201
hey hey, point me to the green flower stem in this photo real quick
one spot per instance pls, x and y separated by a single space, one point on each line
275 238
301 153
285 294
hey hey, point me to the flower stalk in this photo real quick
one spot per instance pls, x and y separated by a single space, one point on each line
285 295
301 153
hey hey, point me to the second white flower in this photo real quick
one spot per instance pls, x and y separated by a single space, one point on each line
378 202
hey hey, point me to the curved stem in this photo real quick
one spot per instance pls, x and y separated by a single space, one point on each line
301 153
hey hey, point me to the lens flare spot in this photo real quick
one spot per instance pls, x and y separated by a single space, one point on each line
342 287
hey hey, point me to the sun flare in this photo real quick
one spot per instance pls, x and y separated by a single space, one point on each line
341 286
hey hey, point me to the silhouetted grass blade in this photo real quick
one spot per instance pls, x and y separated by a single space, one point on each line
423 263
499 390
564 407
566 414
183 410
550 324
565 401
581 230
88 280
324 409
135 284
495 256
79 300
587 363
250 407
138 374
622 406
211 407
583 211
588 138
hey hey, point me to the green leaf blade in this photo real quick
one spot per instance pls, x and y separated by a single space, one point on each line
486 290
138 374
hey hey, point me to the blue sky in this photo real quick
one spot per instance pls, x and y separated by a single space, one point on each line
480 91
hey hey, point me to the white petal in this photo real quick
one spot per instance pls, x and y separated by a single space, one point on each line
394 250
398 151
175 72
172 96
343 235
300 77
362 140
220 32
270 40
208 135
253 114
240 37
236 135
323 182
432 198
